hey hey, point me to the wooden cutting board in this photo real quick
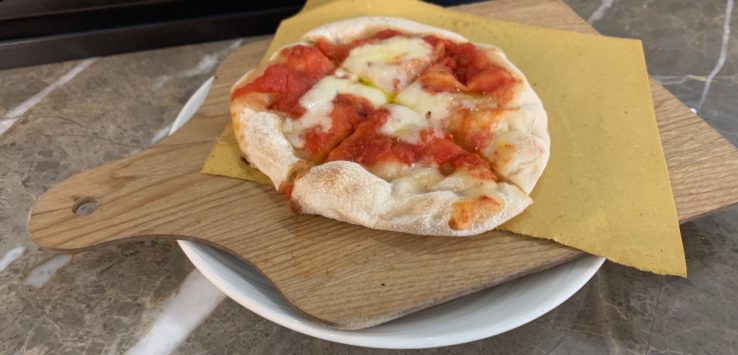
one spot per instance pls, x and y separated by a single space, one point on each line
343 275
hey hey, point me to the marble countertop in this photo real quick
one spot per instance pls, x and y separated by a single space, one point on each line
120 298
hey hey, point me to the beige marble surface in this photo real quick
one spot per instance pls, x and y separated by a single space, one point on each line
72 116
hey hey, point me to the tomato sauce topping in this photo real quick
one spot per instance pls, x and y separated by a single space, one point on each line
355 125
348 111
439 78
466 66
368 146
339 52
473 129
465 212
472 67
297 70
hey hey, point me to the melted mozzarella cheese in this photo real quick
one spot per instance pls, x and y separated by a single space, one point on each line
434 106
417 180
343 74
389 170
476 102
405 124
471 185
408 178
389 64
318 104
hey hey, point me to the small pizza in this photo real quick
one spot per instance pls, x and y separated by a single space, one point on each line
394 125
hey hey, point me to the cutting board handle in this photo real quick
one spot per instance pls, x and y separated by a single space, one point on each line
139 196
157 193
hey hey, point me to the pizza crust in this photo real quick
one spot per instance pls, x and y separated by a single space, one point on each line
258 132
264 145
348 192
345 31
521 145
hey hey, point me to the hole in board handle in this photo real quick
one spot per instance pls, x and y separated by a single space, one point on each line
84 206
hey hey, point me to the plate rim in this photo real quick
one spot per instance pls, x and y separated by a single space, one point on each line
201 259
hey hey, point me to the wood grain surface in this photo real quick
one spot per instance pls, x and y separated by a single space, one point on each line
343 275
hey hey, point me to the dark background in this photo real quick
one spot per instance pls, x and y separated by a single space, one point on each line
42 31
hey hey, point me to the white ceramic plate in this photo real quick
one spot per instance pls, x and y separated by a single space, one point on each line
465 319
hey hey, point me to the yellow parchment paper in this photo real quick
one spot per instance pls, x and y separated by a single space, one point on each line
606 188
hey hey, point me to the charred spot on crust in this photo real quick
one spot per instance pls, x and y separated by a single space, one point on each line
446 168
465 213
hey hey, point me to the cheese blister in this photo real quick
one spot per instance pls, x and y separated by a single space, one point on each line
389 64
436 107
404 124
